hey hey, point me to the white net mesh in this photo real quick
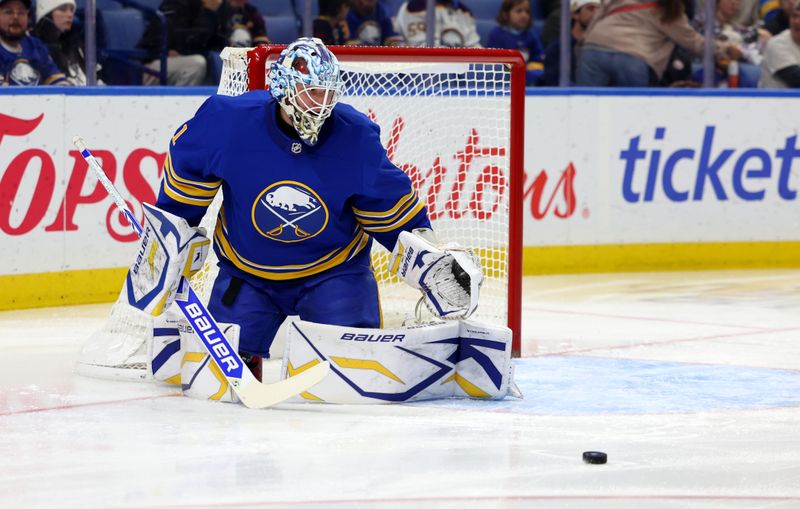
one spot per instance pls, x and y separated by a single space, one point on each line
447 125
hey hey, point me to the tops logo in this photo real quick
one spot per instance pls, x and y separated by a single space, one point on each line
47 195
752 167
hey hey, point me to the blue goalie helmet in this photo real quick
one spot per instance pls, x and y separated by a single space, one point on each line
305 81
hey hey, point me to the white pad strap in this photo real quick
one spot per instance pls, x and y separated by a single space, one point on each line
450 277
200 377
169 249
442 360
164 346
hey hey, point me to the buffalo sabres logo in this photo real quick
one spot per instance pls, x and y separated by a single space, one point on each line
289 211
23 73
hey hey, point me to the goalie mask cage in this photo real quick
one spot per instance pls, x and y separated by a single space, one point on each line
453 120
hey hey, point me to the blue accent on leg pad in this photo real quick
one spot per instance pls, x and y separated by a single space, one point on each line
168 351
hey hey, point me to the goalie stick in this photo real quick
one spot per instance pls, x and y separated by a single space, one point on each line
250 391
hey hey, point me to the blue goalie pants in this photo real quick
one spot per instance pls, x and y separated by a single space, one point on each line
345 295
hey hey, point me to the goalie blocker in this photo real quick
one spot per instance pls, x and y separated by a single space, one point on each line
169 249
449 276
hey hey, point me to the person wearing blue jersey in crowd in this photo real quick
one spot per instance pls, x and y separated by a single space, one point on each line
307 187
514 32
24 59
371 24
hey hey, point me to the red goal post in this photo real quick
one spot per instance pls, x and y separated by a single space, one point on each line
466 108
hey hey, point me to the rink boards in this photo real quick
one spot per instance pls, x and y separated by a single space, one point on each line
613 182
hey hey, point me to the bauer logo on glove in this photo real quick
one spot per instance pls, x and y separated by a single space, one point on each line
169 250
450 278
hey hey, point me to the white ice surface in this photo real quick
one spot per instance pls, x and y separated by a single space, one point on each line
689 381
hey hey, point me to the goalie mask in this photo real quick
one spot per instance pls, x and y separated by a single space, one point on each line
305 82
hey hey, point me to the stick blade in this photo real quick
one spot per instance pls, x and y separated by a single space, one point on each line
257 395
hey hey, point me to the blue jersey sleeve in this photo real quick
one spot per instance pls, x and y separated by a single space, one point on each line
189 185
387 203
535 47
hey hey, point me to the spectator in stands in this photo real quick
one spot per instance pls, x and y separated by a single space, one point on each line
629 43
371 24
242 25
455 26
193 28
331 25
24 59
780 21
781 65
65 43
582 14
750 11
745 43
514 32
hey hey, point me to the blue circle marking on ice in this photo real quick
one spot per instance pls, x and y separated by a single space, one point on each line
570 385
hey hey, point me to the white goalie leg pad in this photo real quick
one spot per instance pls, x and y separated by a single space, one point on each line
373 365
450 279
200 377
164 351
168 249
398 365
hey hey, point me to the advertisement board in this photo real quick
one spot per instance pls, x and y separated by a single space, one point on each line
612 182
667 169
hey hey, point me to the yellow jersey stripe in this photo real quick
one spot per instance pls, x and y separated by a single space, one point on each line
285 272
190 188
54 77
388 213
361 245
197 183
401 212
221 233
400 222
766 7
179 134
183 199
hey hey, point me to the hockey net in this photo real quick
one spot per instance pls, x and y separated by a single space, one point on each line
452 119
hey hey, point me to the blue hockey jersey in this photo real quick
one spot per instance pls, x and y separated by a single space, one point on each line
289 210
32 66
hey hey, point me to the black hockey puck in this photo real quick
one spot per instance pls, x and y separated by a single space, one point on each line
595 457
